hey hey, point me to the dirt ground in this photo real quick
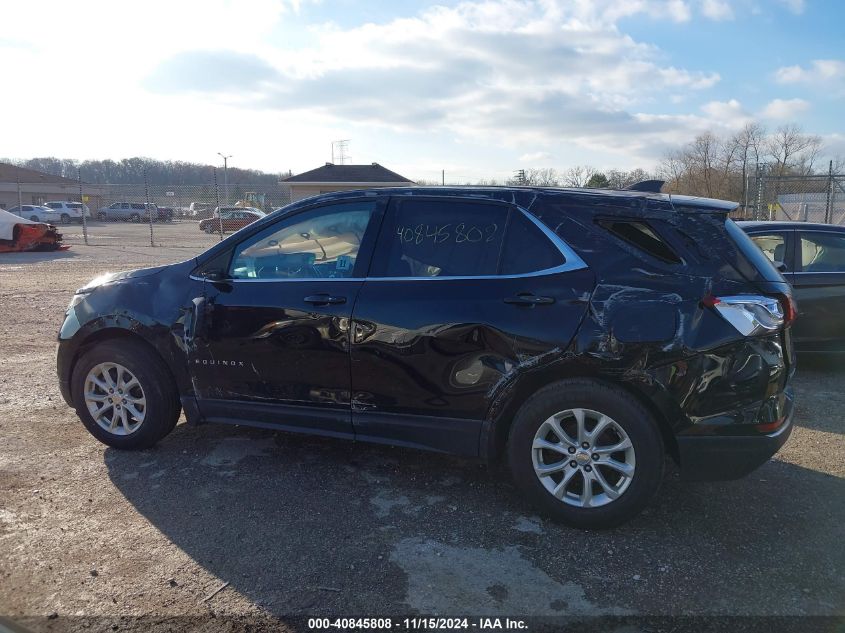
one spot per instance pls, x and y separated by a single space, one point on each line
299 526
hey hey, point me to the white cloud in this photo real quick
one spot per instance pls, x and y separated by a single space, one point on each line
563 72
717 9
730 113
820 72
535 157
784 109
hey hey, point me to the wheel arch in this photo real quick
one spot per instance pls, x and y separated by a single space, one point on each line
497 426
115 334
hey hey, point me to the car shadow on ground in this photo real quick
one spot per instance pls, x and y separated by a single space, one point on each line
34 257
314 526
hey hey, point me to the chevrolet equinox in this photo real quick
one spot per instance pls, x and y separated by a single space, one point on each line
581 334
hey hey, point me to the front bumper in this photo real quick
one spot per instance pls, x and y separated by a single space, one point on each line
722 457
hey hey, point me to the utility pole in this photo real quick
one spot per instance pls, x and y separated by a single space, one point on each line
520 176
225 177
443 177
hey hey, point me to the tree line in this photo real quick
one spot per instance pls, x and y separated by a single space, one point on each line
133 171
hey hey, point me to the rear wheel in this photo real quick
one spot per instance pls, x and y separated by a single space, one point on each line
586 452
124 395
102 217
65 218
135 217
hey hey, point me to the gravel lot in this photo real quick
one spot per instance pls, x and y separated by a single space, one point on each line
301 526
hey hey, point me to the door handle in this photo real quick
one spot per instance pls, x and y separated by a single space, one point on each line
321 300
528 299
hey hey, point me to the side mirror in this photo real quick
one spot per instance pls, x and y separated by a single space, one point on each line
781 266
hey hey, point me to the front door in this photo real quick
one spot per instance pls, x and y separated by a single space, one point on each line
275 345
462 296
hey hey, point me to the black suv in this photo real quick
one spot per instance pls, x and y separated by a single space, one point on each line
582 333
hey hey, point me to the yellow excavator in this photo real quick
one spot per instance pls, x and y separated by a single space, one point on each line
252 199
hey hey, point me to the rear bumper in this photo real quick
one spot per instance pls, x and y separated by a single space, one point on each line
723 457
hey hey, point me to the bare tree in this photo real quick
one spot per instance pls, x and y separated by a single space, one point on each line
577 176
792 150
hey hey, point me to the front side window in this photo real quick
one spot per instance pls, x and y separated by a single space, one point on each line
773 246
822 253
441 238
54 205
322 243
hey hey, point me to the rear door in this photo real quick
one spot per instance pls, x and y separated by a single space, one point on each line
463 294
819 284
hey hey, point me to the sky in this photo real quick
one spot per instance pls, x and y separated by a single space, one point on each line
478 88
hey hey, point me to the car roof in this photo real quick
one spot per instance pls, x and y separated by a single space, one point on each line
594 195
782 225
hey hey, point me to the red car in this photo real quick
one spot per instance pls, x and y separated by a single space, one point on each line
231 221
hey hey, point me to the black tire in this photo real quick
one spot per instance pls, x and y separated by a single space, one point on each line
102 217
134 218
34 218
163 406
627 412
65 218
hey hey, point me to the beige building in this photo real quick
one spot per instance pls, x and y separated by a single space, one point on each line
27 186
331 177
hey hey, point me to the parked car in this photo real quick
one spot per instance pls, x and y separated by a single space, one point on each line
219 210
36 213
231 220
812 259
131 211
69 211
165 214
581 334
199 210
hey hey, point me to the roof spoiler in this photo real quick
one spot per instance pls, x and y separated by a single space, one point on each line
650 186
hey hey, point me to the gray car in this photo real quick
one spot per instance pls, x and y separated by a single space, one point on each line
131 211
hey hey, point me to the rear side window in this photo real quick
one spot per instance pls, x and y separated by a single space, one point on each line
74 205
441 238
527 249
822 253
643 237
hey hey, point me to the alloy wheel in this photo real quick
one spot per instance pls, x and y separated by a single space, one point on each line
583 457
115 399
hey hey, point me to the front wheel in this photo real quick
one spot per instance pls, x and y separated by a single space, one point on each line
586 452
123 393
135 217
34 218
65 218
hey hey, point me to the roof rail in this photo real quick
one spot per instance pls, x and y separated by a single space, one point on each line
651 186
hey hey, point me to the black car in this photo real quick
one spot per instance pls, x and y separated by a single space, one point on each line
812 259
581 333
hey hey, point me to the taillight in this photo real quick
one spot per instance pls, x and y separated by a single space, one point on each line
790 309
751 315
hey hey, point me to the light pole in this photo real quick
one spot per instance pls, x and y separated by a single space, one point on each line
225 176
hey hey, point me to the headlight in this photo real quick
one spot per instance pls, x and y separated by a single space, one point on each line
749 314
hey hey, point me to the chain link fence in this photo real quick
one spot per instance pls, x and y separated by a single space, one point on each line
816 198
194 216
